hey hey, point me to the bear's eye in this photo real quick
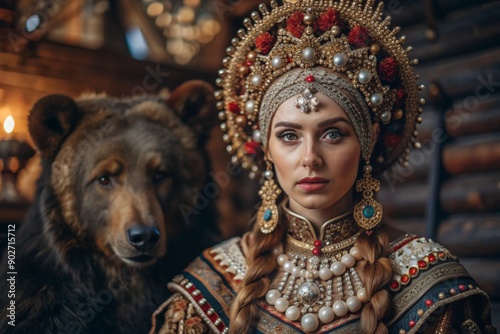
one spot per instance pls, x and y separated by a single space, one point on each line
159 177
104 180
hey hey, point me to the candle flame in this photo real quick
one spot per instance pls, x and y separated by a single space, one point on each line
9 124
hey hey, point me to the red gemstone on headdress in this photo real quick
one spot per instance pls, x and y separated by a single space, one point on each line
429 302
252 147
422 264
327 20
461 287
317 243
264 42
400 97
290 59
233 107
405 279
388 69
316 251
412 323
358 36
413 271
392 140
310 78
295 24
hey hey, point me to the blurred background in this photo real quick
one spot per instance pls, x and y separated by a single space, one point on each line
450 191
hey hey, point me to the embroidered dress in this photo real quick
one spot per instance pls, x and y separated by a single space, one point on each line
431 291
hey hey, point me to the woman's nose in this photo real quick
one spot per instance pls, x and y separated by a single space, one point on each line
311 157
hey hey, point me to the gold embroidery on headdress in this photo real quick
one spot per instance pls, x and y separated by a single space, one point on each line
343 36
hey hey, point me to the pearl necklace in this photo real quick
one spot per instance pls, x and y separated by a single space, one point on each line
318 283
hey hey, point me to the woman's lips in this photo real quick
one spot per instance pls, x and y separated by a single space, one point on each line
312 183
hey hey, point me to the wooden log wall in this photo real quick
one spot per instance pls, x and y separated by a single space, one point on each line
461 57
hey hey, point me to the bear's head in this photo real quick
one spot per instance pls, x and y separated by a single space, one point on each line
117 170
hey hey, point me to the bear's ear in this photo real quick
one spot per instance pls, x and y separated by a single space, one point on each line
50 121
195 103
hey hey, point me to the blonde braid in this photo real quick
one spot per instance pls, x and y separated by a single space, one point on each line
375 271
261 264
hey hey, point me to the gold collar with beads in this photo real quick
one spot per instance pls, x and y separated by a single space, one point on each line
318 282
335 234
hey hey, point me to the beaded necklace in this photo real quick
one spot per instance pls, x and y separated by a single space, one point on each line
318 282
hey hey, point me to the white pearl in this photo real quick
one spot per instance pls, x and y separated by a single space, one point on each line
257 136
268 174
277 62
296 271
325 274
271 296
303 273
309 322
348 260
292 313
282 259
338 268
315 273
308 53
376 99
362 295
278 250
339 60
326 314
288 266
340 308
386 116
356 253
335 30
364 76
353 304
250 106
281 304
257 79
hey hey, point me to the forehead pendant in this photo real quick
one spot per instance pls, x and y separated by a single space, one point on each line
307 101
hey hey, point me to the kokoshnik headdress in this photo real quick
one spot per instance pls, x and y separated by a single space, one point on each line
342 48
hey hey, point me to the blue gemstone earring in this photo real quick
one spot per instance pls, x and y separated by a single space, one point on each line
368 212
267 217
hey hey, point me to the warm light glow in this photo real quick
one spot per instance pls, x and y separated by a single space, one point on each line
9 124
192 3
155 8
186 15
164 20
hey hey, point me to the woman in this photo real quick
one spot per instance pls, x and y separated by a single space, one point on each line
321 97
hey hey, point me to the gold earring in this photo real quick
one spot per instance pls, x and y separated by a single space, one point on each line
267 217
368 212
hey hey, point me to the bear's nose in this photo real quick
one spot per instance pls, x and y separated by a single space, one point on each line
143 238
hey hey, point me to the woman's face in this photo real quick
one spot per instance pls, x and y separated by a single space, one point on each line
316 156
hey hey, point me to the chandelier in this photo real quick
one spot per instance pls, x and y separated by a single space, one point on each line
187 25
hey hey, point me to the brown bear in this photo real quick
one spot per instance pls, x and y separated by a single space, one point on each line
91 255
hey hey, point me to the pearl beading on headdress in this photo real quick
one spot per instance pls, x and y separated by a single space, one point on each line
344 36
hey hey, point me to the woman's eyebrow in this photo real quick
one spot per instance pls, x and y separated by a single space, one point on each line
333 120
288 125
320 124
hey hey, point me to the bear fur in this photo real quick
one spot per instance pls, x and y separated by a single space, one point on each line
106 233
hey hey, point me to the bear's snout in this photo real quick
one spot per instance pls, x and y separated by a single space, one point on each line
143 238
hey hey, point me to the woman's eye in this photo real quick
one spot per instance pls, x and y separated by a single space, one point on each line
104 180
288 136
159 177
333 135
